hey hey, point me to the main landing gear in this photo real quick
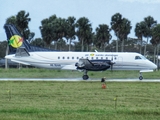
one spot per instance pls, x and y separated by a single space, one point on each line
85 76
140 76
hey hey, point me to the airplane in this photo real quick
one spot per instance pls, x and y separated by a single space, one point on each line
24 53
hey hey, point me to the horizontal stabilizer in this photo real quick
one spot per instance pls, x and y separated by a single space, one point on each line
20 62
146 70
22 52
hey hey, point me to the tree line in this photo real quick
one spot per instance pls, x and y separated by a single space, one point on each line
55 31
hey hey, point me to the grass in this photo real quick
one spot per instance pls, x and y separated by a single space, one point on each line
79 100
47 73
83 100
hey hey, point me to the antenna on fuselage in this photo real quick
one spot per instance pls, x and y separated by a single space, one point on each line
95 50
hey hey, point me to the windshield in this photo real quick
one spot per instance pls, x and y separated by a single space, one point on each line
144 58
140 57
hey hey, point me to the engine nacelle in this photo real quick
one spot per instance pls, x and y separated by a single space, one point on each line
94 65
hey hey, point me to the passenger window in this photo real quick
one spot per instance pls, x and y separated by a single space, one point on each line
72 57
63 57
58 57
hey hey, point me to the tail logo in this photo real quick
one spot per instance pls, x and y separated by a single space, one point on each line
16 41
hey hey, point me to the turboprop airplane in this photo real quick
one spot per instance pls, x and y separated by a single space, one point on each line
82 61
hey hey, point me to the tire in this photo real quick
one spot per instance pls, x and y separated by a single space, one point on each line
85 77
140 78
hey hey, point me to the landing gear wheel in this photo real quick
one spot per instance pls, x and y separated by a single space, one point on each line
85 77
140 78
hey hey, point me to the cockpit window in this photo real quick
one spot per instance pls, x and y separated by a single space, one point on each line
143 58
139 57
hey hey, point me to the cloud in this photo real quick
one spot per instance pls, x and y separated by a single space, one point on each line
142 1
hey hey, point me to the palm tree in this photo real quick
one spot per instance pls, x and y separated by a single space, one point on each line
89 38
116 21
22 20
156 40
11 20
61 44
121 27
59 27
140 31
70 32
103 35
150 22
124 31
38 42
83 29
48 30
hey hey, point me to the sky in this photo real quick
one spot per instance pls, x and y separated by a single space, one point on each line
97 11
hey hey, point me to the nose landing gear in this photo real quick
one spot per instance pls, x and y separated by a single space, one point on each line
140 76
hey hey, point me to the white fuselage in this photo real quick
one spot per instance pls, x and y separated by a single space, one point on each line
67 60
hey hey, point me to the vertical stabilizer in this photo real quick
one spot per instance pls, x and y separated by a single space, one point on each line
15 39
11 30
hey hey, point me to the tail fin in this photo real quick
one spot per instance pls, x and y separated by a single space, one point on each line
15 39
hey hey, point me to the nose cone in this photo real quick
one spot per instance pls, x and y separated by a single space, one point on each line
154 66
151 65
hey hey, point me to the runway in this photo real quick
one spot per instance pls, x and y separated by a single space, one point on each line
78 79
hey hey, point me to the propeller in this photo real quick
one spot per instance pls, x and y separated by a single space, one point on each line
111 63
